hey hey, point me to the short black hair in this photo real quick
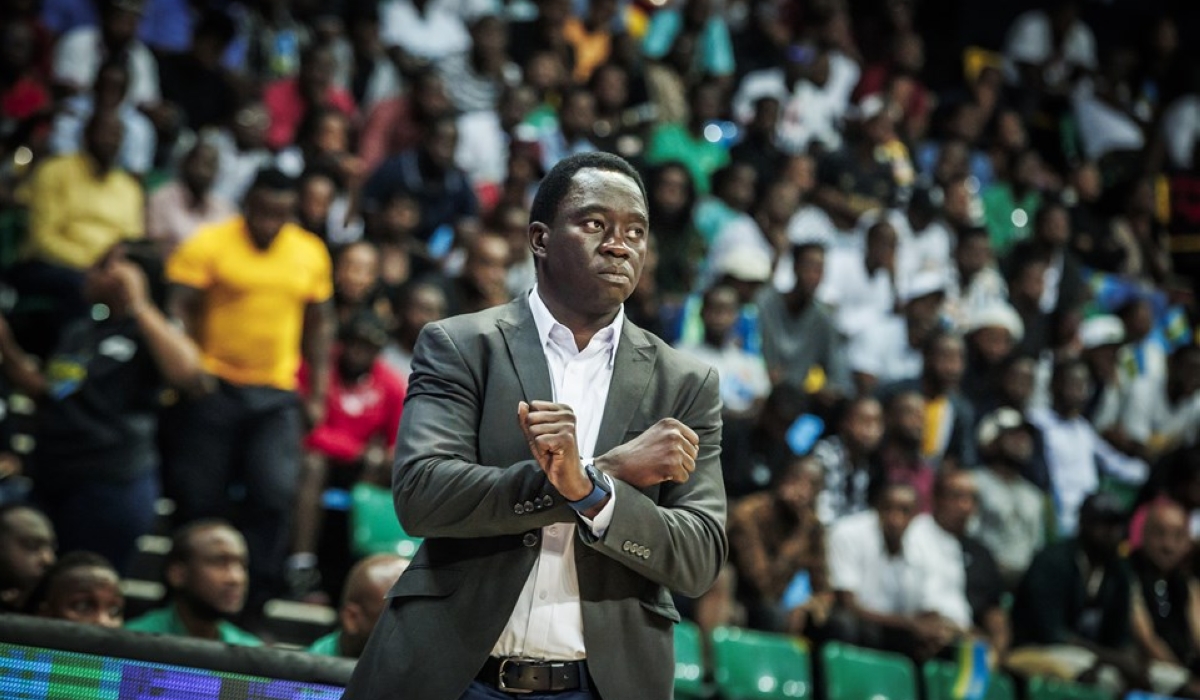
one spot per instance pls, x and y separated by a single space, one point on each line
66 564
9 508
802 247
557 182
182 548
273 180
217 25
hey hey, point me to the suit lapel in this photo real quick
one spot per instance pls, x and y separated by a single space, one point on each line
632 370
525 347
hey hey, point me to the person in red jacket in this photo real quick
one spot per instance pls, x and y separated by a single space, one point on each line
357 435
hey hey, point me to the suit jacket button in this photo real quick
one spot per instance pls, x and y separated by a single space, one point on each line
528 506
519 509
646 553
547 501
626 546
530 539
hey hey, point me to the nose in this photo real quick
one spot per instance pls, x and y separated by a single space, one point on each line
615 245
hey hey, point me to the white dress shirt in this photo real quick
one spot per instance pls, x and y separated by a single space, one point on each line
547 622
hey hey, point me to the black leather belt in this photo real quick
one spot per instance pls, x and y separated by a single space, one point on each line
515 675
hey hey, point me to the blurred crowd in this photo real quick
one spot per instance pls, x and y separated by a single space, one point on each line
944 255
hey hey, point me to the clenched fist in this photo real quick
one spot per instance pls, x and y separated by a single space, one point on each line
550 431
665 452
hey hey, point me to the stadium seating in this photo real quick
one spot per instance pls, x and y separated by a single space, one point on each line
373 525
853 673
1054 689
749 665
940 677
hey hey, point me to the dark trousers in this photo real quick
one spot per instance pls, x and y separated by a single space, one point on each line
236 454
483 691
105 517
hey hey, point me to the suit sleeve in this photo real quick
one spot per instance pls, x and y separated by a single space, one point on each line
438 486
678 542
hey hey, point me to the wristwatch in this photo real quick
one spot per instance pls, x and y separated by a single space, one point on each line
600 490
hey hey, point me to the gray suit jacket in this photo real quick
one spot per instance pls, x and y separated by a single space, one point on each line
464 479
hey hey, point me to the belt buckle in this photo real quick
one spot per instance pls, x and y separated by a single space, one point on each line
500 680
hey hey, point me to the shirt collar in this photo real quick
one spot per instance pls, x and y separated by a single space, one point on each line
551 332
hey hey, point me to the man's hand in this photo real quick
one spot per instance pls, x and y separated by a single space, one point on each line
314 411
135 293
665 452
550 431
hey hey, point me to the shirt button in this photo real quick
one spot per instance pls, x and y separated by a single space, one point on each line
552 530
542 595
530 539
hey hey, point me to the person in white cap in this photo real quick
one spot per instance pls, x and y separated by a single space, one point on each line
992 334
890 351
1108 408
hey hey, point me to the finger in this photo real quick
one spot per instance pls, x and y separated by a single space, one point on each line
556 416
547 406
679 476
523 419
539 429
688 434
687 462
692 450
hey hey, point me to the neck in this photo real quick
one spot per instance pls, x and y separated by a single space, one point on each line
798 300
196 625
1003 469
582 325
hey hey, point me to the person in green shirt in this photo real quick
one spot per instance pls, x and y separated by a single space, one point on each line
1009 205
206 574
703 153
362 603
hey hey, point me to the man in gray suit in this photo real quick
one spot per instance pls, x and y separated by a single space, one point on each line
562 465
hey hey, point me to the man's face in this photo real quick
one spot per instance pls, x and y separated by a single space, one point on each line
906 420
1101 536
119 27
316 74
798 489
88 595
1071 387
946 362
578 114
357 357
993 343
863 425
216 574
200 170
267 211
881 246
897 507
317 194
1056 228
720 312
487 263
357 272
592 253
955 502
104 135
1018 382
810 270
426 305
739 190
441 144
27 549
1165 537
1015 445
671 190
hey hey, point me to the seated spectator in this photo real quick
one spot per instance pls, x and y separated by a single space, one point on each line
242 152
23 90
81 587
880 570
1012 511
475 77
778 548
899 456
813 87
744 380
733 188
362 416
860 286
1075 453
591 37
486 137
419 303
1169 418
96 452
289 99
754 450
671 198
1010 203
326 209
356 283
139 141
365 69
975 281
80 52
747 271
27 551
396 124
966 572
206 578
869 172
1166 600
890 351
175 210
1144 356
714 54
195 80
571 132
669 78
992 333
758 148
766 229
1071 615
427 173
690 143
1026 278
801 345
363 601
948 439
846 459
1064 286
482 283
418 33
1101 338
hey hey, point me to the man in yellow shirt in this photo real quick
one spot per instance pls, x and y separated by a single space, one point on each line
80 205
254 292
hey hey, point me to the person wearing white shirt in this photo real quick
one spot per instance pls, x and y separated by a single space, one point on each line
1165 417
884 571
1181 131
859 285
1075 453
744 380
80 52
1047 47
426 30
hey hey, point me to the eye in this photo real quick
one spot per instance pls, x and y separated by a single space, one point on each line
593 225
637 232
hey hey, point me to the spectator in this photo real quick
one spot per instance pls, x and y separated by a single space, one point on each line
572 132
23 91
759 148
1141 236
1166 600
1076 455
545 32
890 351
880 570
288 100
975 282
482 283
898 78
714 54
475 77
363 600
846 459
1064 286
419 304
1144 356
1010 203
992 335
923 241
733 194
801 345
1048 49
620 123
81 587
96 458
765 229
108 94
1071 616
255 294
81 51
1168 418
744 380
429 175
753 451
967 573
948 438
485 137
672 199
418 33
396 124
27 551
591 37
205 573
861 285
780 553
868 172
362 414
195 80
269 41
1026 281
670 78
325 209
356 282
692 143
243 152
369 74
177 209
899 456
812 93
1012 511
1109 403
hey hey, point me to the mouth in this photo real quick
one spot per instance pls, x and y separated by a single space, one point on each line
618 276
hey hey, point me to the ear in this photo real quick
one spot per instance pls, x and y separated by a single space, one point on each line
537 238
176 575
350 617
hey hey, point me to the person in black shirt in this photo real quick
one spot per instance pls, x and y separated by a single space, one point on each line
95 465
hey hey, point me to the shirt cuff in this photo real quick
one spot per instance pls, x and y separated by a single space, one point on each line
599 524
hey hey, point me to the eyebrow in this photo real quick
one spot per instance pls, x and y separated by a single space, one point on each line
602 209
